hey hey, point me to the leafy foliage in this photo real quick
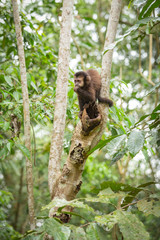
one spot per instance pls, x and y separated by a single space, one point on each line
129 151
143 22
6 230
130 226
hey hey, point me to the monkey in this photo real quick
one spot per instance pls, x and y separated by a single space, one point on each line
88 87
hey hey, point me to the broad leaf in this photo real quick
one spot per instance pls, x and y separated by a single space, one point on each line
94 232
105 195
108 220
149 207
116 186
117 156
132 194
131 227
77 233
16 96
129 224
115 144
135 142
61 203
56 230
8 80
109 193
24 150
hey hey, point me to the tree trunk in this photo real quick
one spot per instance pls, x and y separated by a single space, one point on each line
61 96
26 112
69 180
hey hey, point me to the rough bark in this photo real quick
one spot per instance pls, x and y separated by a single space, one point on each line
69 181
26 112
110 36
61 96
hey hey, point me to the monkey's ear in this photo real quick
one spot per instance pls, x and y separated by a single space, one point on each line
88 79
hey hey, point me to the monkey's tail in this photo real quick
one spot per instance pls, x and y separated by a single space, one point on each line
105 100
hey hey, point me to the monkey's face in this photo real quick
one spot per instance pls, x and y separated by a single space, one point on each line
79 81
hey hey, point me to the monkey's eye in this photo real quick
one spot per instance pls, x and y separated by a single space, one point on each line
77 81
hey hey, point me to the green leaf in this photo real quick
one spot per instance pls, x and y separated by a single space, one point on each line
9 146
131 227
102 143
153 89
115 144
135 142
149 207
8 80
6 126
61 203
132 194
105 195
109 193
116 186
34 86
16 96
129 224
77 233
108 220
10 49
155 123
157 109
56 230
24 150
94 232
3 152
117 156
147 5
148 8
142 118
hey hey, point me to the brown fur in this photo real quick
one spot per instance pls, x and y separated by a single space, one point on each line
87 87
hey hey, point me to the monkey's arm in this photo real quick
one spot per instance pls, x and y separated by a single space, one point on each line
86 95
